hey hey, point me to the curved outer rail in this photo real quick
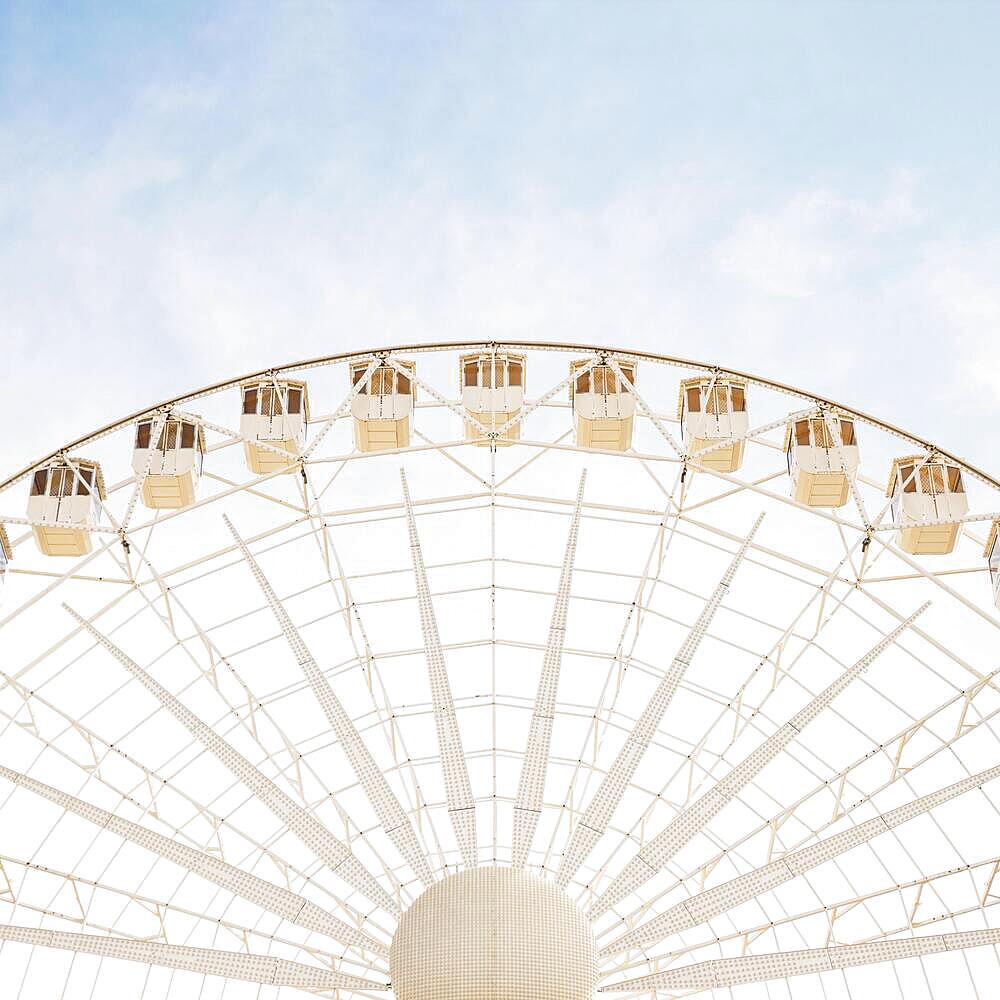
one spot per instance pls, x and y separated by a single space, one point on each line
664 359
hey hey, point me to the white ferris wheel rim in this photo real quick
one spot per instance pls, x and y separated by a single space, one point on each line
418 347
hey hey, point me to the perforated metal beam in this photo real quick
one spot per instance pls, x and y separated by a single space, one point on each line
718 900
592 825
335 855
457 786
390 813
651 858
263 969
283 902
720 973
531 785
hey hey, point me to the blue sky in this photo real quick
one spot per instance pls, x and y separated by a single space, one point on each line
805 190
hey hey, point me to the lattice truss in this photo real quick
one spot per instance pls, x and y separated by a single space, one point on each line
238 739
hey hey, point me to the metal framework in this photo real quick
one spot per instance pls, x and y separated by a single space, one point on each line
746 756
531 785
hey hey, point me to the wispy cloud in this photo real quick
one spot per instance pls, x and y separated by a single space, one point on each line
816 240
262 188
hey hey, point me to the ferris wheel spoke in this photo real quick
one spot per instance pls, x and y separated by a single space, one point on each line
458 787
721 973
651 858
283 902
265 970
977 892
898 764
82 898
531 785
718 900
619 660
335 854
390 813
245 711
736 704
145 792
594 822
366 659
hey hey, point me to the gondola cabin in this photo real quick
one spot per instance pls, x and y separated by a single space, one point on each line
993 560
383 408
821 466
711 411
603 405
928 498
493 393
65 501
174 462
275 414
5 553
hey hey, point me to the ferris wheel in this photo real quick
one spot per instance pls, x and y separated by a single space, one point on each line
482 671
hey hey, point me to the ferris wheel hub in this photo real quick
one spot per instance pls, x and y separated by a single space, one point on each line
493 934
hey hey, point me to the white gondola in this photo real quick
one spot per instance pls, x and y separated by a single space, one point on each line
175 462
928 497
603 405
383 409
821 467
6 553
275 413
65 501
493 393
992 554
712 410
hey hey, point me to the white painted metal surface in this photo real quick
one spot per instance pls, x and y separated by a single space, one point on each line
378 688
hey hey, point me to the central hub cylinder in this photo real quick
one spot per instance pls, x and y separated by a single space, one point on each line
493 934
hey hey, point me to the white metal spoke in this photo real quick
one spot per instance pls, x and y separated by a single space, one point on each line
734 703
77 905
335 854
651 858
977 890
531 785
712 902
458 787
725 972
263 969
283 902
148 786
592 825
896 760
390 813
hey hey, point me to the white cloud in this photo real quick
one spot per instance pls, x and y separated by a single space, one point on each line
129 278
816 239
963 295
178 98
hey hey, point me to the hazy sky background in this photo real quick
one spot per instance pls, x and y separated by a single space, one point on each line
810 191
